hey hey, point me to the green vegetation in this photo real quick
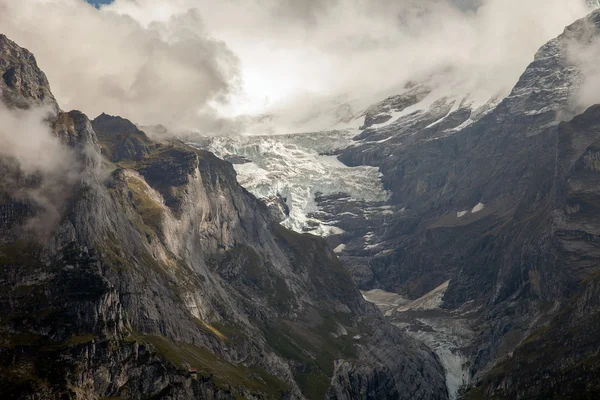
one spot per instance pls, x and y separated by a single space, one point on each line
14 340
224 374
150 212
311 253
314 347
83 339
535 335
314 383
210 329
477 394
264 277
111 252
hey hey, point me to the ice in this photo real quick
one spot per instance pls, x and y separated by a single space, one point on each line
294 167
446 334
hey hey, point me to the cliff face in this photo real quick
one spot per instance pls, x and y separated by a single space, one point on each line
504 206
147 260
559 356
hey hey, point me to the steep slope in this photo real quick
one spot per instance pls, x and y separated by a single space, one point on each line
483 205
559 359
150 273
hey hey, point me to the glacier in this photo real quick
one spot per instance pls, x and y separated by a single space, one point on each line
297 167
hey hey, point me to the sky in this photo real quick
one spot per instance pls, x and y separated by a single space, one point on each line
99 2
214 66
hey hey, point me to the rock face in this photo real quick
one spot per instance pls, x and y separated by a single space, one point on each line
121 139
22 82
161 277
503 204
559 357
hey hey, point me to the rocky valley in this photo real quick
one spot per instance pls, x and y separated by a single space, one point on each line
135 269
480 239
443 247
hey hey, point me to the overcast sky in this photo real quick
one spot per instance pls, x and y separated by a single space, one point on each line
198 63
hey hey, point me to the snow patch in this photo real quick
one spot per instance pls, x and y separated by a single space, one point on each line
386 301
396 115
340 248
429 301
478 208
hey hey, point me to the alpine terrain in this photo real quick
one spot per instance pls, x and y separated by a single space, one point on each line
134 269
433 245
479 236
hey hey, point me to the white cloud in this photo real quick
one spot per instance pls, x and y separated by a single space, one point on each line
156 60
37 168
168 71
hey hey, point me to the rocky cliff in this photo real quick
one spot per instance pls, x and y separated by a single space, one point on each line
135 269
502 203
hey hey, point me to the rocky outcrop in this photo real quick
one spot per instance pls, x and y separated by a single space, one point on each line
161 277
22 82
121 139
382 112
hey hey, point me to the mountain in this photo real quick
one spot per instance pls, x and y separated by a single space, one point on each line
501 209
136 269
483 243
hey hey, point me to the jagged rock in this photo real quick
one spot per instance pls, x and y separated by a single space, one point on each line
23 84
121 139
382 112
278 207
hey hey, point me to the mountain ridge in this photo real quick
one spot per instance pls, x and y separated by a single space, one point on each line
158 263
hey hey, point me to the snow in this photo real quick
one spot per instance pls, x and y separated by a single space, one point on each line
396 115
386 301
340 248
293 167
455 106
382 140
478 208
429 301
444 335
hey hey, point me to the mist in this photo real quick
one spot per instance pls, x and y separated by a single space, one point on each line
219 67
37 168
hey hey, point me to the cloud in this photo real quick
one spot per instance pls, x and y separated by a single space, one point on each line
201 64
169 71
37 168
582 45
299 58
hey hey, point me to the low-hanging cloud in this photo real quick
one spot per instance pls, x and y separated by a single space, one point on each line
201 64
37 168
584 53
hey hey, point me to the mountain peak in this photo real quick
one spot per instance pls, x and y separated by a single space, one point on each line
23 83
